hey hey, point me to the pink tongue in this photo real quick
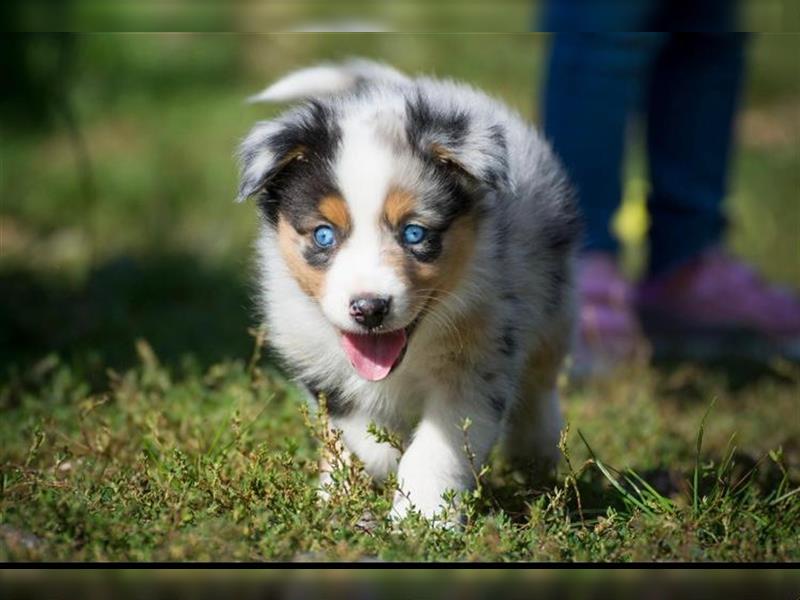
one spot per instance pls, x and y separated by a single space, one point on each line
373 356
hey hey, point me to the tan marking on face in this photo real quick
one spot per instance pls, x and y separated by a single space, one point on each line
334 209
428 283
458 246
399 204
290 242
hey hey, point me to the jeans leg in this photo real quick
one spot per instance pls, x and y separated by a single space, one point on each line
594 82
691 104
601 15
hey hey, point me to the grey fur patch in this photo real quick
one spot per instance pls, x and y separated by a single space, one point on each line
488 376
508 341
498 403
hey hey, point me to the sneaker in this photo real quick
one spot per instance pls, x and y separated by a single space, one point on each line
716 307
608 332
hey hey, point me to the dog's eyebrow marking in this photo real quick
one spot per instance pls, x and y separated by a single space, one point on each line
334 209
398 205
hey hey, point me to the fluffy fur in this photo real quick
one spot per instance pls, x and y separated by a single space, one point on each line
486 299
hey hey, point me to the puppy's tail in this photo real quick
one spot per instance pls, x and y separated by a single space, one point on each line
327 80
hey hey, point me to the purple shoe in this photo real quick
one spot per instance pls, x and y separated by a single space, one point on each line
716 307
608 331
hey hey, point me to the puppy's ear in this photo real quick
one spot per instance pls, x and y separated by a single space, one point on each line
261 159
456 139
306 134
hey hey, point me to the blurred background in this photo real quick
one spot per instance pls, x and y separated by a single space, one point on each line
121 248
117 219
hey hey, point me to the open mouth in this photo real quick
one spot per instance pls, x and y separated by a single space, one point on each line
375 355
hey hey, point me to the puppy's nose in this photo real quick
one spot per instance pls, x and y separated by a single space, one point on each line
369 311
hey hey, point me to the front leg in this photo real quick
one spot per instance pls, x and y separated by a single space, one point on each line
436 460
379 458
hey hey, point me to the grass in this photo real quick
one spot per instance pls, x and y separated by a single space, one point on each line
139 423
219 463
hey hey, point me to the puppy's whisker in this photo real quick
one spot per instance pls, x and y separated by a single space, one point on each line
442 320
443 324
422 293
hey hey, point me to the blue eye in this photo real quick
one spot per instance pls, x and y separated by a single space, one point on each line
414 234
324 237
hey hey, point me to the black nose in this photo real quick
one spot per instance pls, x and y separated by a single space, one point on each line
369 311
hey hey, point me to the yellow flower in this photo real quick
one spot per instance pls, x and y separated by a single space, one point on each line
631 220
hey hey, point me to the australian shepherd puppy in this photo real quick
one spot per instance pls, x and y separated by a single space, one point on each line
415 254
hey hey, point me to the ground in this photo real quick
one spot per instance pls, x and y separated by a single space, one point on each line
141 420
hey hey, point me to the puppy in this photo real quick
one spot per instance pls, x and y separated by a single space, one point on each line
416 265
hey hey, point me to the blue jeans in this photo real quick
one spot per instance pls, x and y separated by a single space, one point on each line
685 86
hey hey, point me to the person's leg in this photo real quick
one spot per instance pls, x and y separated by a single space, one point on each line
699 301
595 79
692 99
599 15
594 83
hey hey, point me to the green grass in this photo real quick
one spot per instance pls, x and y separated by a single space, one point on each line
184 447
221 464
